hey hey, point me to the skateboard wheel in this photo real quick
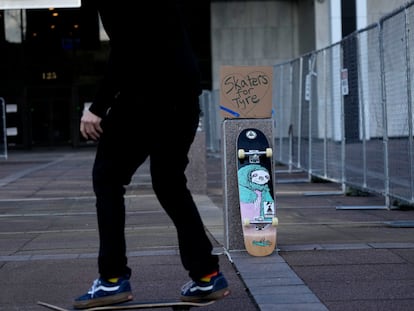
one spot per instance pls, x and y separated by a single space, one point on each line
275 221
269 152
241 154
246 221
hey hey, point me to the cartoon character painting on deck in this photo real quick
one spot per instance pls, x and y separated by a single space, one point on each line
255 196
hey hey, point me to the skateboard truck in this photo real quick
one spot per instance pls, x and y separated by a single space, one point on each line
254 155
260 222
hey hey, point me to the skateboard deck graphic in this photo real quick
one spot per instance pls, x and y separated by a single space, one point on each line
134 305
256 195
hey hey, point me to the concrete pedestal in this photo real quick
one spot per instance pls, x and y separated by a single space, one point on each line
233 236
196 171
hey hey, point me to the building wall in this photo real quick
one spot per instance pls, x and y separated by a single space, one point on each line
323 24
243 32
252 33
378 8
270 32
305 26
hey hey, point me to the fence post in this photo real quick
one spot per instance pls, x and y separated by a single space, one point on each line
343 142
300 103
361 98
325 121
310 75
384 118
409 105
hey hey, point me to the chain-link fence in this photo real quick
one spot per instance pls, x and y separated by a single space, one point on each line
345 113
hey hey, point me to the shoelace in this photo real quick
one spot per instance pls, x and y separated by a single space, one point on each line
192 286
187 286
92 290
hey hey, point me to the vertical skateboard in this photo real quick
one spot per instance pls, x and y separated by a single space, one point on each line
256 195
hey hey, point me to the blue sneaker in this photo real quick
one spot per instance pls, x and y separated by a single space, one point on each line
216 288
104 293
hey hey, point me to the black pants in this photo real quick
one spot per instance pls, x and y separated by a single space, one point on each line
130 136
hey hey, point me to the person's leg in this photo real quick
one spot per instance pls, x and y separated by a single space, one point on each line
168 163
169 159
113 168
111 172
169 185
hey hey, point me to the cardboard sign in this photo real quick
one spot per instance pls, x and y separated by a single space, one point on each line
246 91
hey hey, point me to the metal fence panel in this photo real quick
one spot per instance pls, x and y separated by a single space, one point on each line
282 100
345 113
353 111
410 83
372 129
305 146
333 107
396 103
296 108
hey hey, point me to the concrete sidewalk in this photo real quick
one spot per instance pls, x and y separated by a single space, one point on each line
330 255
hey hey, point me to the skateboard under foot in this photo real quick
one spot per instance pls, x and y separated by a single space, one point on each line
134 305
